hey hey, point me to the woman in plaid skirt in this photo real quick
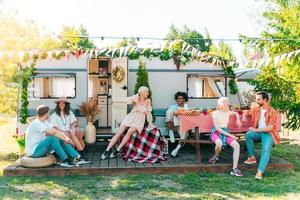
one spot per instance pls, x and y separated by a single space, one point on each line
134 121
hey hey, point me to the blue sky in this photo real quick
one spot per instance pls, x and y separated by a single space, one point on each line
137 18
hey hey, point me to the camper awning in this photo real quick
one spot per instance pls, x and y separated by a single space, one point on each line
246 73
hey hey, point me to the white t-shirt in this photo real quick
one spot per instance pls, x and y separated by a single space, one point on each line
222 117
35 133
63 122
262 119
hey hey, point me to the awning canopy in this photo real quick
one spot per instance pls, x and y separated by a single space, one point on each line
246 73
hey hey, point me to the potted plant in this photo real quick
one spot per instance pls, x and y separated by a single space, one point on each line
90 109
20 139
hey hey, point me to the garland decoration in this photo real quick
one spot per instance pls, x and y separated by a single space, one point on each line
25 80
178 50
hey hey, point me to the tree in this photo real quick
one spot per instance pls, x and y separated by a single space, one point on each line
127 42
74 38
281 36
143 80
16 37
70 37
85 42
193 37
223 50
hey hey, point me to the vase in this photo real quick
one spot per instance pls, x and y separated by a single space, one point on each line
90 133
21 151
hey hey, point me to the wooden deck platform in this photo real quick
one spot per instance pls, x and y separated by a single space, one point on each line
185 162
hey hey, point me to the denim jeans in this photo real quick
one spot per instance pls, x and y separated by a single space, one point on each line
51 143
266 147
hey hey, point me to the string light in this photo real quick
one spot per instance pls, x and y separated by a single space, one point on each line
154 38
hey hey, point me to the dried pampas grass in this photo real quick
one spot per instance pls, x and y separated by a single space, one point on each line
90 109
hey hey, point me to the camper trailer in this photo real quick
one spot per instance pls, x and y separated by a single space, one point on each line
86 77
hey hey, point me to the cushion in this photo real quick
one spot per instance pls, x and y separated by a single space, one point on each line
45 161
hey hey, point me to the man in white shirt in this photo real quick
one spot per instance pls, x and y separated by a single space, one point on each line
41 139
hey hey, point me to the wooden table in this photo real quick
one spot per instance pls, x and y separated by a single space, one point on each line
203 123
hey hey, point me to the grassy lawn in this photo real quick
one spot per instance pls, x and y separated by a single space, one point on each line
181 186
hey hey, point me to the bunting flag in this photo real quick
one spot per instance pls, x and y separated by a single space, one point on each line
68 55
122 50
77 54
91 53
126 50
187 53
264 61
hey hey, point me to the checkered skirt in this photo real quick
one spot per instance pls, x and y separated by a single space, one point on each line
145 147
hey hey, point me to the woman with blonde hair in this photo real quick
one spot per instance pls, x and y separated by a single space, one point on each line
134 121
220 135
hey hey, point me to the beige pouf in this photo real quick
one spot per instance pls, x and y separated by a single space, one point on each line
45 161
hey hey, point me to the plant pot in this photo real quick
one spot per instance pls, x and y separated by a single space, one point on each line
90 133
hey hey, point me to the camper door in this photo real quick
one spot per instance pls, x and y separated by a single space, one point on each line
119 91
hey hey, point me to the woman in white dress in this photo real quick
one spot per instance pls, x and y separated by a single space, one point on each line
64 120
134 121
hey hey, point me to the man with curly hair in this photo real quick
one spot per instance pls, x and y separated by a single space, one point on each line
172 120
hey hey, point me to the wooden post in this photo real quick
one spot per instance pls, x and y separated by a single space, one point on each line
198 153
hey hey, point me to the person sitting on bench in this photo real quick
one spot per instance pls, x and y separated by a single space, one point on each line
264 129
220 135
172 120
41 139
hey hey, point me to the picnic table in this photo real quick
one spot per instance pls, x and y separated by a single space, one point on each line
203 123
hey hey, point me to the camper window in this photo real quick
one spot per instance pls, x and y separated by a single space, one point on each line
205 87
53 86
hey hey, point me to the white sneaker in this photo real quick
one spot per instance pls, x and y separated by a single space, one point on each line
175 151
82 161
171 135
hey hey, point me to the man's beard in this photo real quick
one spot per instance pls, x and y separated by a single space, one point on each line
260 105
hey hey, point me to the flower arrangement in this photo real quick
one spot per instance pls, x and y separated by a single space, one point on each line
90 109
20 139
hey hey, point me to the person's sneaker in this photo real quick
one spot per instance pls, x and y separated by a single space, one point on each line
250 161
236 172
105 155
115 153
175 151
81 161
213 159
67 163
259 176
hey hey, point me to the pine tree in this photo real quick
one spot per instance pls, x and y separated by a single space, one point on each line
143 80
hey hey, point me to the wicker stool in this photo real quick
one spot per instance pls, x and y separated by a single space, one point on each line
45 161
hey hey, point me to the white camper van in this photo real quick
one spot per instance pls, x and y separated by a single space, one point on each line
82 78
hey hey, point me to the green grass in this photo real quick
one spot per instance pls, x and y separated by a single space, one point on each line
182 186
